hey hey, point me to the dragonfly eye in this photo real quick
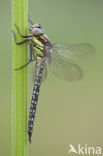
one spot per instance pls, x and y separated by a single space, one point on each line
37 31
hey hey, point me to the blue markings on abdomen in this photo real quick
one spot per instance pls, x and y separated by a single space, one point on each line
34 101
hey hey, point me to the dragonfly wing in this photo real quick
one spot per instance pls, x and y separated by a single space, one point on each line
66 71
72 53
44 74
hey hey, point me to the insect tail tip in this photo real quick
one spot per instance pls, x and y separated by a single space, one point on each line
30 139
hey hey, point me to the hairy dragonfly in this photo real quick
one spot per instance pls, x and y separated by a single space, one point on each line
60 58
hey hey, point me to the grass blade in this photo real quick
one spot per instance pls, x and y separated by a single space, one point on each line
19 80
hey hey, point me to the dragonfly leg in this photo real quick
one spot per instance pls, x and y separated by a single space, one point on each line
25 64
21 41
20 33
29 60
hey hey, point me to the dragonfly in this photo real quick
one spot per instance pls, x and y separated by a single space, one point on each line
60 59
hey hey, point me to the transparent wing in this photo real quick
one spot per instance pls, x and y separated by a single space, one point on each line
44 76
63 70
69 53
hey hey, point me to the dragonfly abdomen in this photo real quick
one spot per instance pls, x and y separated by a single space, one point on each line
34 101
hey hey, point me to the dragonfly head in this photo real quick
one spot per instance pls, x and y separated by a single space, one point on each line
36 30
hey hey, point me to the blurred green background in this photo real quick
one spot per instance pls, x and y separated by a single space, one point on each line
68 112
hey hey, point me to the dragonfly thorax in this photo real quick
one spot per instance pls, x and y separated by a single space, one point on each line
40 45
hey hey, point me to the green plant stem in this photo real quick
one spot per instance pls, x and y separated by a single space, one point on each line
19 90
